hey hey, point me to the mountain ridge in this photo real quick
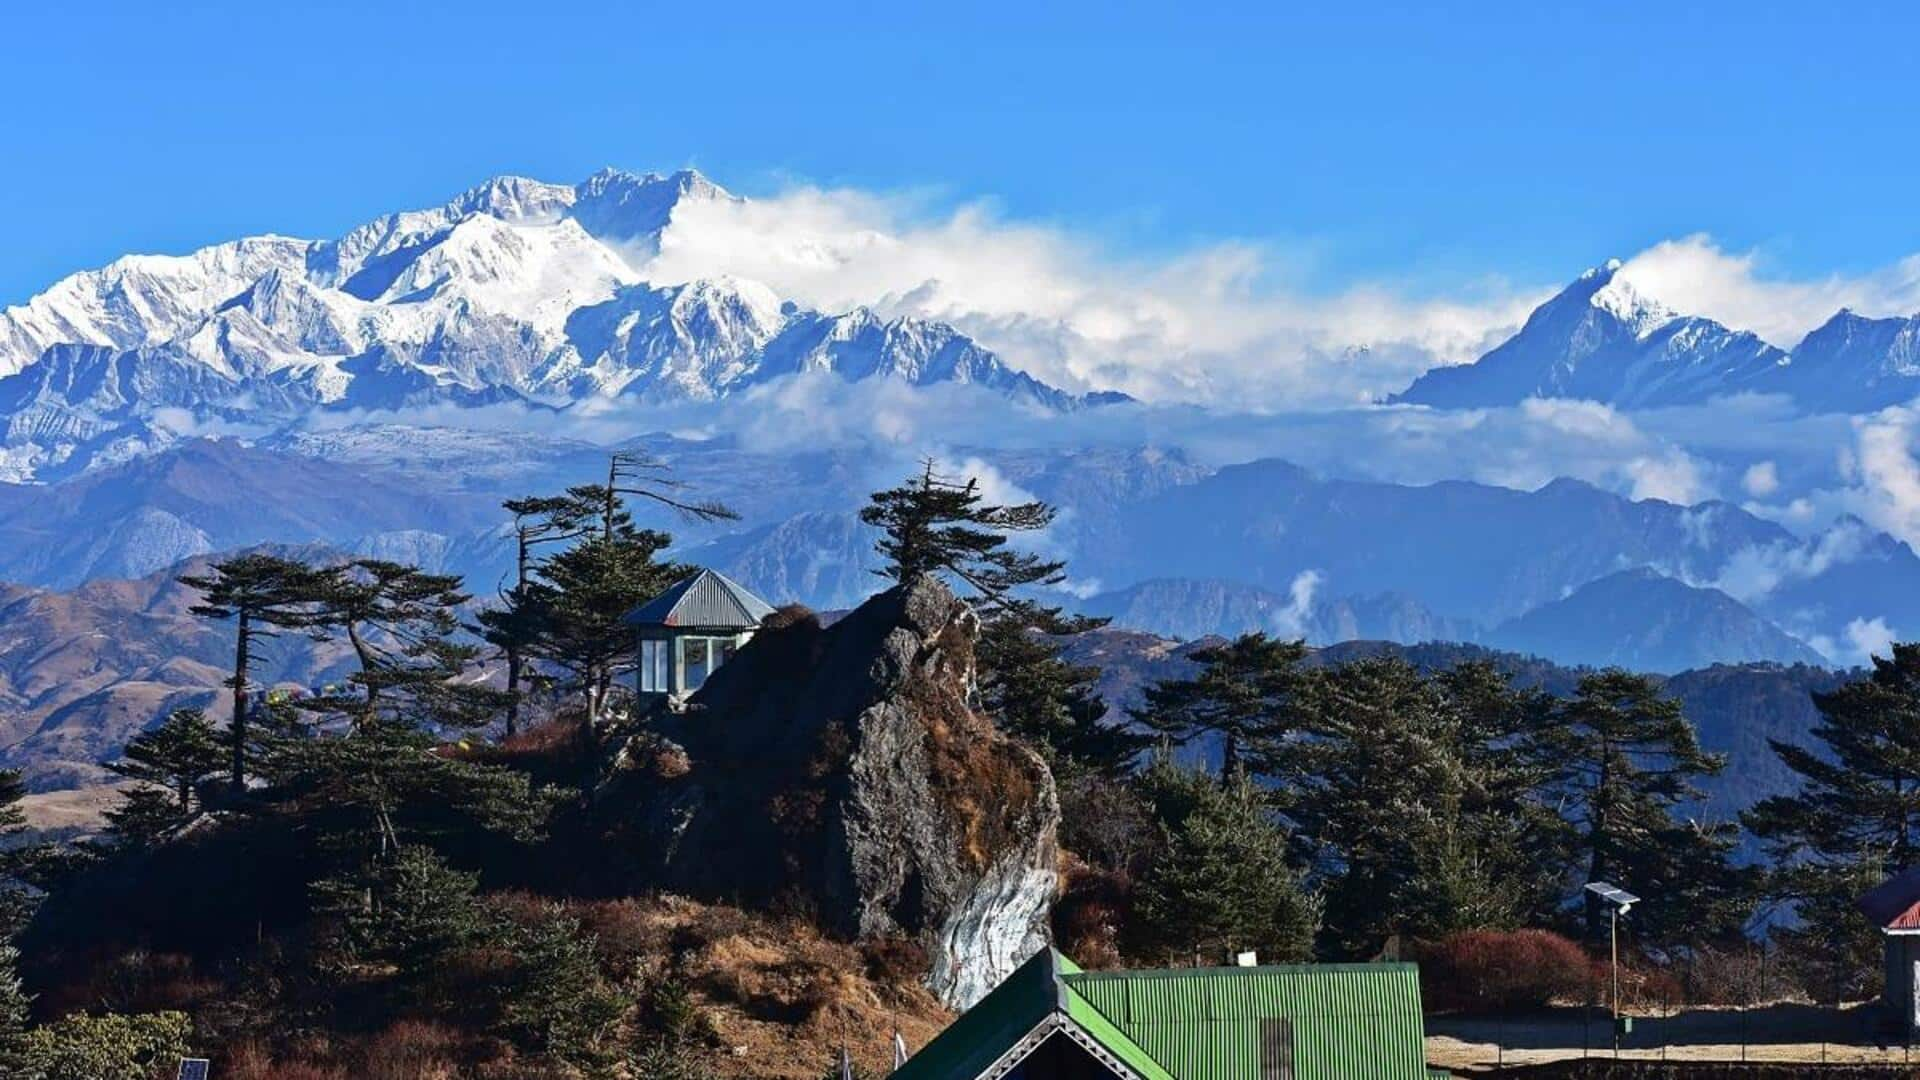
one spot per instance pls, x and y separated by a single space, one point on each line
1601 339
514 291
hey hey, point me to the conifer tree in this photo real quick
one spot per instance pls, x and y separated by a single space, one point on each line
570 609
936 525
176 757
399 621
1034 694
1244 693
385 785
409 909
1627 761
262 594
1855 820
585 596
1401 793
21 864
514 626
18 1058
1222 882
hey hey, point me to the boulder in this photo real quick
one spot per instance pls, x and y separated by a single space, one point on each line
842 773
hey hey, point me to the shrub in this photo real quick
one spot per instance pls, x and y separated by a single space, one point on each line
109 1047
413 1050
1488 970
1090 914
895 961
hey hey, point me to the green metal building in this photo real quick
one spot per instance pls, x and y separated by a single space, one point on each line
1052 1021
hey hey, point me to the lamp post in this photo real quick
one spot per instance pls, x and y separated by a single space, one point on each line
1619 901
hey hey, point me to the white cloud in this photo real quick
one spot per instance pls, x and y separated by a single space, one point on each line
1209 325
1761 479
1870 638
1292 620
1755 571
1695 276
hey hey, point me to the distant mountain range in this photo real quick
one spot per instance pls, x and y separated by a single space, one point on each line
1602 339
514 291
1153 539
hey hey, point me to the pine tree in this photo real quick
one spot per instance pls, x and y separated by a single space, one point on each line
177 757
557 1000
408 909
1032 693
936 525
18 1060
1400 791
1244 694
261 594
1855 820
1627 762
514 626
386 785
399 621
570 609
585 596
21 864
1222 882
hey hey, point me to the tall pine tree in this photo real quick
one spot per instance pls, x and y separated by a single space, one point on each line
514 626
1245 695
1854 822
400 622
1221 882
170 763
1628 761
936 525
262 594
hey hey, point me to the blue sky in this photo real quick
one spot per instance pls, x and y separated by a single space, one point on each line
1364 143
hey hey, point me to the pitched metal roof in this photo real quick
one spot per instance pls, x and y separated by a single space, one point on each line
709 600
1346 1020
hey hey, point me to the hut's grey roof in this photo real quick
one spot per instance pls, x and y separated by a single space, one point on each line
709 600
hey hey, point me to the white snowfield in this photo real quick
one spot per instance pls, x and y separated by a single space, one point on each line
516 289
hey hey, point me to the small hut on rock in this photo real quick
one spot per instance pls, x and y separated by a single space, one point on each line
691 630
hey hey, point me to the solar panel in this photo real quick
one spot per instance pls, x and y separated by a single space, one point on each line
194 1069
1612 894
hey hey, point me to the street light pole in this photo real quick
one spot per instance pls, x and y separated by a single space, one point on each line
1613 932
1618 902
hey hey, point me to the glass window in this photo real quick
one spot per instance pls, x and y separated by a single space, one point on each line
727 647
653 667
696 658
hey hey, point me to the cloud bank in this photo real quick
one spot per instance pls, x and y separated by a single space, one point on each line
1211 325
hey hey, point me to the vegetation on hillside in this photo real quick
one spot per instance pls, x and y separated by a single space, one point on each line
400 871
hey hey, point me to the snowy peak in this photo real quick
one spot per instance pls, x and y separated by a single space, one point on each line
1604 339
623 207
1620 299
516 289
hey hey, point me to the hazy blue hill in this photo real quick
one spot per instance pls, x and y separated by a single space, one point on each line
1645 621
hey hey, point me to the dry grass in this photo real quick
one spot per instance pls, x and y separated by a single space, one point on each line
782 998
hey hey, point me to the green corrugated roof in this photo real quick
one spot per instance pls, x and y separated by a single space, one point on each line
1348 1019
1198 1024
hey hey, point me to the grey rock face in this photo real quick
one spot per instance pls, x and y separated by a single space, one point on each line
843 770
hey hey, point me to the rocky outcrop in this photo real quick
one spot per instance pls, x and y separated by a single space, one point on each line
841 772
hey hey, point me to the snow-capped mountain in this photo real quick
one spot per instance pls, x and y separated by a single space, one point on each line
1602 339
515 290
1853 364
